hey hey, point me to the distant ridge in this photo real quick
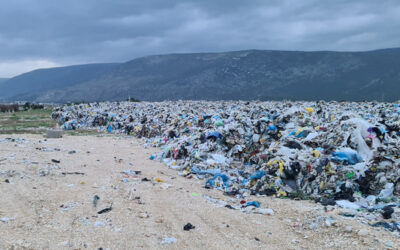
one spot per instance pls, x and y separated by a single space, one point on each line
3 80
237 75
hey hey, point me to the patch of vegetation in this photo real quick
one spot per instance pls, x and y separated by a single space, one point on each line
28 106
299 195
133 100
31 120
9 108
81 132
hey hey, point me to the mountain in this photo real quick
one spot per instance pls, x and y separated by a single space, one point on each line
3 80
36 84
238 75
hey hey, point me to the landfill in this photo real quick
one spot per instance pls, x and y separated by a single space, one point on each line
342 154
109 190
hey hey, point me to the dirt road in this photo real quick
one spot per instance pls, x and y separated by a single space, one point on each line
50 205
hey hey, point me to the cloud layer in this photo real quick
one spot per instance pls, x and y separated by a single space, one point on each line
47 33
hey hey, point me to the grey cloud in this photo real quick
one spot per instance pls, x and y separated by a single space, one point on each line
76 31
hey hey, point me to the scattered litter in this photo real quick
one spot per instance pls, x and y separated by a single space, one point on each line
99 224
45 149
8 219
105 210
253 203
165 186
72 173
188 226
168 240
266 211
158 179
96 198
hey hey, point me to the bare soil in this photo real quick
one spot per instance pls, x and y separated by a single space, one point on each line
42 208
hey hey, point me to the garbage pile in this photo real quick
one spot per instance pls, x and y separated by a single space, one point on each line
327 151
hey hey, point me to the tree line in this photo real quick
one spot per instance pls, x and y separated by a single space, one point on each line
15 107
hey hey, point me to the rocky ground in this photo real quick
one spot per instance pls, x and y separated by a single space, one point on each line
47 190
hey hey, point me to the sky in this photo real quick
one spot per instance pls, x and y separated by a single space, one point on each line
50 33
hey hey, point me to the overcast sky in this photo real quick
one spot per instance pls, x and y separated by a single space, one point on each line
47 33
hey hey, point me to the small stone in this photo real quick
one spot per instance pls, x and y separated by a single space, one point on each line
266 211
363 232
348 229
64 243
144 215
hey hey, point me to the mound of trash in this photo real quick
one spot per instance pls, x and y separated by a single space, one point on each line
327 151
